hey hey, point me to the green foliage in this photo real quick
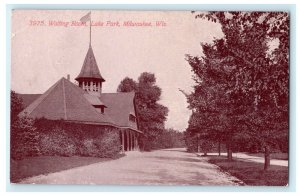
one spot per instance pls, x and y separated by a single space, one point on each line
127 85
16 106
171 138
151 115
106 146
23 134
206 146
24 138
191 141
241 91
195 142
109 146
57 142
167 138
59 138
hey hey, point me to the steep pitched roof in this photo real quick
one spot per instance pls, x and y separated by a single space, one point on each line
28 98
119 107
90 68
65 100
93 99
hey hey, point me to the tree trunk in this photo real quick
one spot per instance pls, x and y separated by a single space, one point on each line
198 144
229 151
205 154
219 148
267 158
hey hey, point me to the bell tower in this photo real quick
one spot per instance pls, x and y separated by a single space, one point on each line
89 78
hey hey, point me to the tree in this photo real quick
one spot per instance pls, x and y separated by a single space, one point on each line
24 138
24 135
252 77
151 115
214 112
170 138
127 85
16 105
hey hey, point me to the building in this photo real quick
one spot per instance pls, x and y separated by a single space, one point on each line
85 103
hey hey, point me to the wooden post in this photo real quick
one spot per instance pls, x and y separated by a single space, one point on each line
132 139
130 142
123 140
127 134
135 141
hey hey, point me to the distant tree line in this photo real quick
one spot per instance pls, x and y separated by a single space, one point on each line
242 85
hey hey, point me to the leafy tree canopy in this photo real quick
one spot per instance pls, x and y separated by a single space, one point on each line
151 114
241 80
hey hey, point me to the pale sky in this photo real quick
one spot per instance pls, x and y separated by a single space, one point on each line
41 55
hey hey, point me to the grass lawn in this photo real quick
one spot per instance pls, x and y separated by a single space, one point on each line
252 173
281 156
33 166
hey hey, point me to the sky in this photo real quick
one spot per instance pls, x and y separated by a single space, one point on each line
42 53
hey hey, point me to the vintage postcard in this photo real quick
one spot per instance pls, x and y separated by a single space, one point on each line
149 97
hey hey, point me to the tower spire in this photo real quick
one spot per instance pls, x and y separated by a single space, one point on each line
89 78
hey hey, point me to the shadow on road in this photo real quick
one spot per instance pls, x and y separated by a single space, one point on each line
175 150
176 159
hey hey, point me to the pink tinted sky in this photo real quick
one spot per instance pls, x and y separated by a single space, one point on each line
41 55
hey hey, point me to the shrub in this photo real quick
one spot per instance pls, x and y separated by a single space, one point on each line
67 139
57 142
109 144
88 148
24 138
59 138
106 145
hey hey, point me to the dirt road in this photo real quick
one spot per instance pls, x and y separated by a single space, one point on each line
160 167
